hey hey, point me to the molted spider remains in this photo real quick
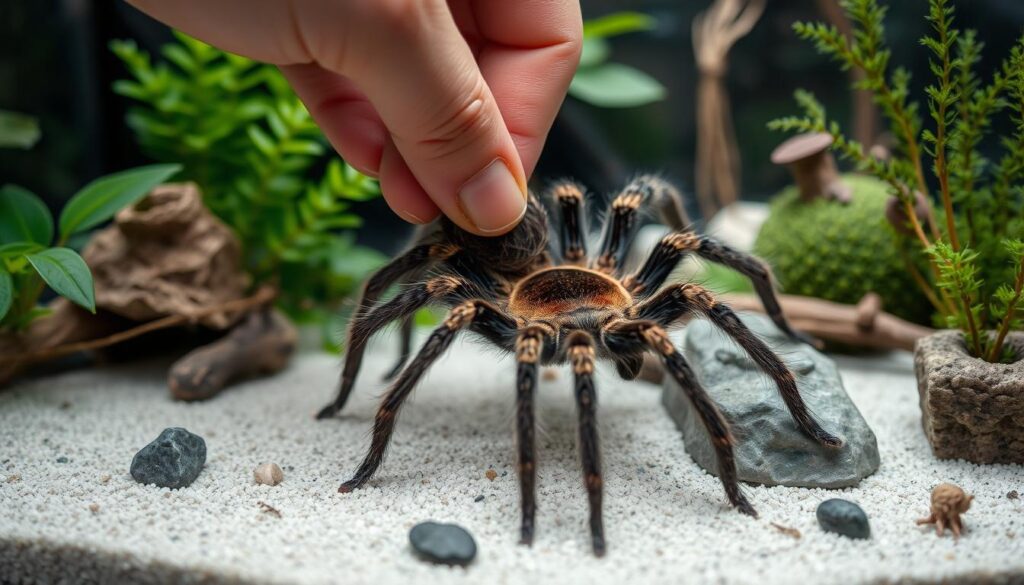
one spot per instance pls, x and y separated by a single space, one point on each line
553 305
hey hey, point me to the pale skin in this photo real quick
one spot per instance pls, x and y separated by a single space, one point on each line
448 103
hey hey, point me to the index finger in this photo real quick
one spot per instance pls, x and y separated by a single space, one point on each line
528 55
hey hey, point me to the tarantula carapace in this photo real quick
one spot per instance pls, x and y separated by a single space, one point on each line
556 304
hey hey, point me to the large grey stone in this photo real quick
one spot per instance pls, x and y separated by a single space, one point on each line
770 448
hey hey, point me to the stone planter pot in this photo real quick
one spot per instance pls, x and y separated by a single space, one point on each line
971 409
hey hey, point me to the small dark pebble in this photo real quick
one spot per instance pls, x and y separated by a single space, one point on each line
478 499
843 517
445 544
1013 495
173 460
62 459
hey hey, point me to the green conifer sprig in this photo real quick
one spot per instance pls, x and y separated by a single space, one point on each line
976 254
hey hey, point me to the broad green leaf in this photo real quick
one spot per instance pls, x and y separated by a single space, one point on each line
23 217
18 130
618 23
614 85
101 199
6 292
67 274
19 249
595 52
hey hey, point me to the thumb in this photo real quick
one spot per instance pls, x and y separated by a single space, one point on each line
443 120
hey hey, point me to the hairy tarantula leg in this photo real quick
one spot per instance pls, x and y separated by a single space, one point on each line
572 227
759 275
674 302
673 247
416 257
654 337
467 313
623 216
529 346
718 428
405 348
618 228
581 356
364 326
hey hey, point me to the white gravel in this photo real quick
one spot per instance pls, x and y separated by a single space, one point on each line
667 521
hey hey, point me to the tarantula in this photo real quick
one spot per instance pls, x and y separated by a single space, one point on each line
556 304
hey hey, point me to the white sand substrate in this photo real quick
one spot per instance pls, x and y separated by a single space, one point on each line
87 520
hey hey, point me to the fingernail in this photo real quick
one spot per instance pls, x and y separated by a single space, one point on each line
493 199
409 217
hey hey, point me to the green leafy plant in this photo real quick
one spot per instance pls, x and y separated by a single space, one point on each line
613 85
262 164
32 256
18 130
974 241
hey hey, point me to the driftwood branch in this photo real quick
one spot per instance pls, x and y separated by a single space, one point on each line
261 297
261 344
863 325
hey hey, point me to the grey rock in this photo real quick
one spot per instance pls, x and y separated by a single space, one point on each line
173 460
770 448
843 517
446 544
62 459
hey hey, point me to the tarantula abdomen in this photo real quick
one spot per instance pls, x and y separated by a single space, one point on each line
515 251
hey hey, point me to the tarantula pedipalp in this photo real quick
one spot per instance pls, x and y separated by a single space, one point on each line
553 306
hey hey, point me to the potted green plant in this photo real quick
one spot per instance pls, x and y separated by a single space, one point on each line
971 239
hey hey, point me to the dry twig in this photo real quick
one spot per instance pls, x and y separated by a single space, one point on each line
715 31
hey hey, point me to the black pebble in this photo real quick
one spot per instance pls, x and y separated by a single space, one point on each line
478 499
446 544
173 460
62 459
843 517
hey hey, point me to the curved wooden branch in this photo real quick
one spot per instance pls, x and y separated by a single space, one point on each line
862 325
262 297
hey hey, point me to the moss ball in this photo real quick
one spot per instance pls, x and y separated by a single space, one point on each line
839 252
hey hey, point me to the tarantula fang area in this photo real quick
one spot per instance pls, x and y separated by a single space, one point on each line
559 303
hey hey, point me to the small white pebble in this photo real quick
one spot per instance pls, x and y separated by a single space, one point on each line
268 474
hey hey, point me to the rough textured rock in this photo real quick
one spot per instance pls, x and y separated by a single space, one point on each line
843 517
446 544
770 448
173 460
971 409
167 255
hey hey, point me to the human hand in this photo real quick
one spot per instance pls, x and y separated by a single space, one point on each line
447 103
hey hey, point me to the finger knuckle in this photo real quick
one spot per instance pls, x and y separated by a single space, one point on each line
397 15
460 124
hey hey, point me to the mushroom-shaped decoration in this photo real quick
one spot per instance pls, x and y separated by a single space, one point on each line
813 167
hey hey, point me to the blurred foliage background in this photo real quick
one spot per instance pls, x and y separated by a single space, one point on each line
55 64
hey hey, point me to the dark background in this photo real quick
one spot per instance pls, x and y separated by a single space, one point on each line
55 65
